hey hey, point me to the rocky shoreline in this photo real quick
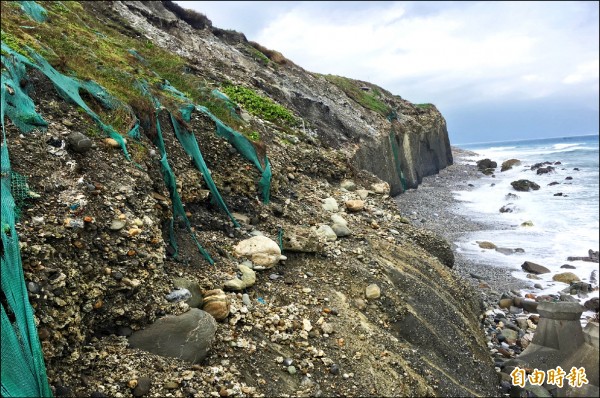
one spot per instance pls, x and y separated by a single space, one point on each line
508 318
432 206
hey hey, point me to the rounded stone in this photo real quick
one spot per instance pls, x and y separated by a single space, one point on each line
372 291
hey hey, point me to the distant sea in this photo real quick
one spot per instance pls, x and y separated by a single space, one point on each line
563 226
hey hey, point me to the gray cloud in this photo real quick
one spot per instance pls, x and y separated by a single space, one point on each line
479 62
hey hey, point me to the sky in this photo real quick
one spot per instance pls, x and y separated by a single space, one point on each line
497 71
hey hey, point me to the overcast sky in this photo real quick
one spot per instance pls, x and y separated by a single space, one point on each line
496 70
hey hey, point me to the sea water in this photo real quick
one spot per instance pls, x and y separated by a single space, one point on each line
563 226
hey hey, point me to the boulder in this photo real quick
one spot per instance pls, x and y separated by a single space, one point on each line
372 291
262 251
248 279
508 164
303 240
534 268
216 303
193 287
348 185
566 277
527 223
79 142
382 188
355 205
338 219
545 170
486 164
341 230
327 233
508 208
524 185
329 204
486 245
187 336
592 304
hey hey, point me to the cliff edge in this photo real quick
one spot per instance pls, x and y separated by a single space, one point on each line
138 194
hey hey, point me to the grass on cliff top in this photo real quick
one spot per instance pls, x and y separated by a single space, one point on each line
81 41
370 99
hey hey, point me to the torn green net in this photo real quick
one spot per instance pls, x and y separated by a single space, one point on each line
23 369
171 183
69 88
34 10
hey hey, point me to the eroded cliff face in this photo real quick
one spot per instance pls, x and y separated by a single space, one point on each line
332 109
99 262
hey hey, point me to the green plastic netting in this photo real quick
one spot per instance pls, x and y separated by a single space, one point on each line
246 149
69 88
23 368
392 136
190 145
171 183
34 10
232 106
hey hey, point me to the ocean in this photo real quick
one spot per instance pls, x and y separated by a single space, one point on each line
564 216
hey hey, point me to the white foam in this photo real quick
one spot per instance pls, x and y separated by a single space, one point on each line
563 226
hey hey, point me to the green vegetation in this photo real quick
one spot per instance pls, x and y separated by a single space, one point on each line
258 56
424 106
253 136
78 43
258 105
368 99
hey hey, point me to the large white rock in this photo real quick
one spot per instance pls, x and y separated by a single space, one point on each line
262 251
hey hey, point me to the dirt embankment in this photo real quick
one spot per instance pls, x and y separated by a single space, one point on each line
372 310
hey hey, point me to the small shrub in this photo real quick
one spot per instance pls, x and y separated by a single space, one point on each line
195 19
273 55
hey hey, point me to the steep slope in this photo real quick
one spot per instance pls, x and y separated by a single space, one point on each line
97 251
341 112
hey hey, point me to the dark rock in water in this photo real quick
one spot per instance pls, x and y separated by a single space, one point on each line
511 195
569 178
143 386
592 304
592 257
576 168
79 142
471 185
558 194
568 266
534 268
556 163
506 250
538 165
524 185
488 172
486 164
545 170
508 208
508 164
553 183
188 336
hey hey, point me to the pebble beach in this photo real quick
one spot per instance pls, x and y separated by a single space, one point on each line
432 206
